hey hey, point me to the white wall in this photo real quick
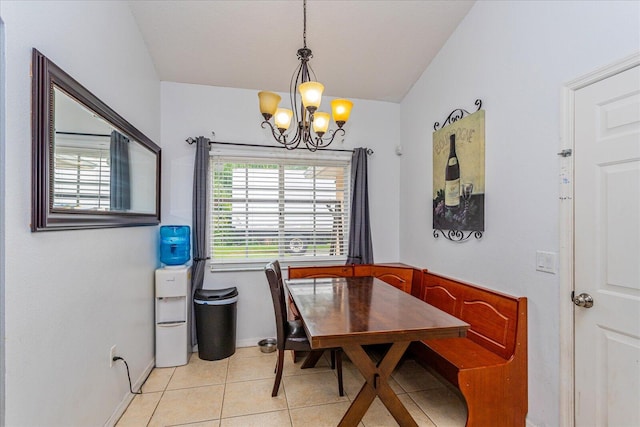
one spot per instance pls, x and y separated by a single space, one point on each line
70 295
2 208
515 56
193 110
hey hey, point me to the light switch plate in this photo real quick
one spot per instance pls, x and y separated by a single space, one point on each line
546 261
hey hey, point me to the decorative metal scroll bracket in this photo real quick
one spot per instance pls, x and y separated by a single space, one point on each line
456 115
456 235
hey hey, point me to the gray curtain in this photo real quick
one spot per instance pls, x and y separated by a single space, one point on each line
360 246
120 184
199 221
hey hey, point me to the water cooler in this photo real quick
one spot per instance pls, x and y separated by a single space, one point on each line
173 311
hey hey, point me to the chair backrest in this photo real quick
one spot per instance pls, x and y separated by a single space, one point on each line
276 285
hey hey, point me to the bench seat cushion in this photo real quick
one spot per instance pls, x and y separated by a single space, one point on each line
464 353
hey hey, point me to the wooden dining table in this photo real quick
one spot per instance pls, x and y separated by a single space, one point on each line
351 312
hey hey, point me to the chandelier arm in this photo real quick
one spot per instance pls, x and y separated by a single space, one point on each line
325 142
293 85
293 97
304 77
308 138
311 144
305 72
281 138
297 136
291 144
310 73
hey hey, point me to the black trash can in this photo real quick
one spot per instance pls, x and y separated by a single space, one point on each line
215 311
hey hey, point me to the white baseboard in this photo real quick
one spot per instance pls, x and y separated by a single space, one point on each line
247 342
128 397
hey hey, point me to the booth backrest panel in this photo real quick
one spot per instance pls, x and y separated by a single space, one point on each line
442 293
362 270
492 315
400 278
322 271
397 275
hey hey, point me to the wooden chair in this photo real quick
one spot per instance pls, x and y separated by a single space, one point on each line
290 333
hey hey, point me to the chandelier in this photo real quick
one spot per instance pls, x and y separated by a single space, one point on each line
310 125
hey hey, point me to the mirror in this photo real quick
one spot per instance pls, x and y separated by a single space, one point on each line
90 167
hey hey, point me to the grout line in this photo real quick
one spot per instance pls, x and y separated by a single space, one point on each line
284 390
162 392
247 415
422 410
224 392
286 399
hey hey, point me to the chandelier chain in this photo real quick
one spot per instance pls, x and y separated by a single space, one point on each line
304 29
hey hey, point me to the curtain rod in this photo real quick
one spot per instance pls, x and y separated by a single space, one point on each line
191 140
82 134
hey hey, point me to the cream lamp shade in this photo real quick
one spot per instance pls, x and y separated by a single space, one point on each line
341 109
311 94
268 103
321 122
282 118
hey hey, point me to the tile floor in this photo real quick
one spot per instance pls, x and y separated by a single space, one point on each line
237 392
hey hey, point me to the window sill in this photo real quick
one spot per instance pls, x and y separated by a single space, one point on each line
259 265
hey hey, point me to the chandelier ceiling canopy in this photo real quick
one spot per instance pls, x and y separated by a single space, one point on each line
310 125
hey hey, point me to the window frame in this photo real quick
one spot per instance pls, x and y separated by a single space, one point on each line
280 156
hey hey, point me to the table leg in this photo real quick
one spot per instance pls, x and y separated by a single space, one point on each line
312 359
376 385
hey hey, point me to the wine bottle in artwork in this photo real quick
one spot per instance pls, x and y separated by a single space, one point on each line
452 177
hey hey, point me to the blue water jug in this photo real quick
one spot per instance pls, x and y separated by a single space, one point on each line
175 247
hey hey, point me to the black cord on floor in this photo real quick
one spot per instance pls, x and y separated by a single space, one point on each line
128 374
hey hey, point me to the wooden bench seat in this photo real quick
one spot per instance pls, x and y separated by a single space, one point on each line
464 353
489 366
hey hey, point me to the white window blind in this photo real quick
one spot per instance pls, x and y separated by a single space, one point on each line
81 178
268 208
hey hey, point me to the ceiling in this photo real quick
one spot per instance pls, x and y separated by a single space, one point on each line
373 49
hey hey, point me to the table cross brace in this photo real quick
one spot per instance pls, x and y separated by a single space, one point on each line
376 384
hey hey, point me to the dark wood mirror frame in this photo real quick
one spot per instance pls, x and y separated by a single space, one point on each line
44 216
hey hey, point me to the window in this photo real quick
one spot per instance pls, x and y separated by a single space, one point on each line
267 208
81 178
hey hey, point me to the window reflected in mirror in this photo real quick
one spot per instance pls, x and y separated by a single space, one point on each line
96 166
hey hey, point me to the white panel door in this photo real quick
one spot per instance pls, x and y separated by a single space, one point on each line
607 251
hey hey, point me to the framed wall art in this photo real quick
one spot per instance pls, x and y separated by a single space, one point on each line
459 175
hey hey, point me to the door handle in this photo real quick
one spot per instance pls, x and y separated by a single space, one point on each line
583 300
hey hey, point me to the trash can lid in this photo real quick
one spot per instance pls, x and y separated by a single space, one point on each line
215 294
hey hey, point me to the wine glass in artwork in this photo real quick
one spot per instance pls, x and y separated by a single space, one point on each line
466 189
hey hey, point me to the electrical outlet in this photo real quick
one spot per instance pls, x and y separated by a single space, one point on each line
112 354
